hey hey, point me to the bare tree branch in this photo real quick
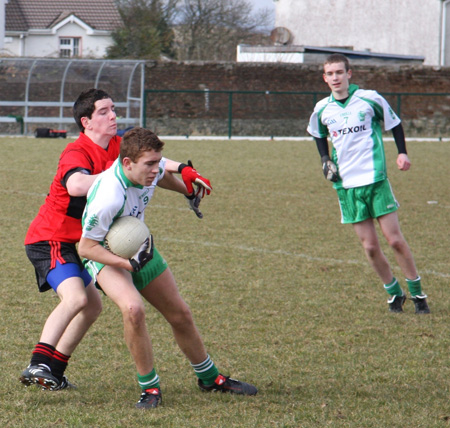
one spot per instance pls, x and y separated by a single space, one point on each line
185 29
211 29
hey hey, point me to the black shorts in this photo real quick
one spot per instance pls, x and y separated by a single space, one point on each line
44 255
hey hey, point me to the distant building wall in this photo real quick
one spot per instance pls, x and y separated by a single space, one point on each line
2 24
14 47
48 45
403 27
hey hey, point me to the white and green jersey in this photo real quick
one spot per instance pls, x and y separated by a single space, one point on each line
112 196
355 131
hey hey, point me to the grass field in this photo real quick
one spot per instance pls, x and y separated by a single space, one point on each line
280 290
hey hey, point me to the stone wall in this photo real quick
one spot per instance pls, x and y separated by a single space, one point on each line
423 115
205 112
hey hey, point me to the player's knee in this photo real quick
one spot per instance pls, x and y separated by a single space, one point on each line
372 249
134 314
76 303
94 309
397 243
182 318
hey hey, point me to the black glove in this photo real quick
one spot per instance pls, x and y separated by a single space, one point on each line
329 169
143 255
194 202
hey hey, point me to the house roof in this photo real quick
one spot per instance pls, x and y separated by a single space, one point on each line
23 15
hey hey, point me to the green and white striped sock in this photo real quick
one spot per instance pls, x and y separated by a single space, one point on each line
393 288
206 371
414 286
148 381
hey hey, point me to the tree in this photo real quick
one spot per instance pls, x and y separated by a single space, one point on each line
212 29
145 33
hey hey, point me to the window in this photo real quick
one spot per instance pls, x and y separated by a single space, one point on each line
69 47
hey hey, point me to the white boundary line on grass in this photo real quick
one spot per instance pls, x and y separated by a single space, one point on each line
20 192
275 138
285 253
261 250
251 249
233 138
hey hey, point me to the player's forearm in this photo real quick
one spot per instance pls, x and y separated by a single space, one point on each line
92 250
171 165
322 146
171 182
399 138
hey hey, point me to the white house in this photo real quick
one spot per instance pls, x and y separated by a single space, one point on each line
59 28
414 28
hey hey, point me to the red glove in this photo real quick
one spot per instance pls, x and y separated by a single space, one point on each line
190 176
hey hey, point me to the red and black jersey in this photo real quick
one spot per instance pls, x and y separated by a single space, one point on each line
59 218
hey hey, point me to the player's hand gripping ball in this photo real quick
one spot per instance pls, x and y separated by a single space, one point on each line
143 255
329 169
126 236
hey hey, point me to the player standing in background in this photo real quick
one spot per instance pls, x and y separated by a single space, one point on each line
126 189
351 118
52 236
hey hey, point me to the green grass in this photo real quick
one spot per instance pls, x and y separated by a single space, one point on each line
280 290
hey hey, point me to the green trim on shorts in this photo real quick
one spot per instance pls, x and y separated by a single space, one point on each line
155 267
372 201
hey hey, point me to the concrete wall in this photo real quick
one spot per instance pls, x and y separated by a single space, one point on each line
404 27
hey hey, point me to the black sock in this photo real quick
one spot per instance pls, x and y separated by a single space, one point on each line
59 364
42 354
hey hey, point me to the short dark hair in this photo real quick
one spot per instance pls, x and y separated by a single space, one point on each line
84 106
337 57
137 141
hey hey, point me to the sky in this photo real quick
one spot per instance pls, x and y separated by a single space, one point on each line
265 4
262 3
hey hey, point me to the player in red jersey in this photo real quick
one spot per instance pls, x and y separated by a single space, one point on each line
51 238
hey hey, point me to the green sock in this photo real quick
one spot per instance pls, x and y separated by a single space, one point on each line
206 371
414 286
148 381
393 288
